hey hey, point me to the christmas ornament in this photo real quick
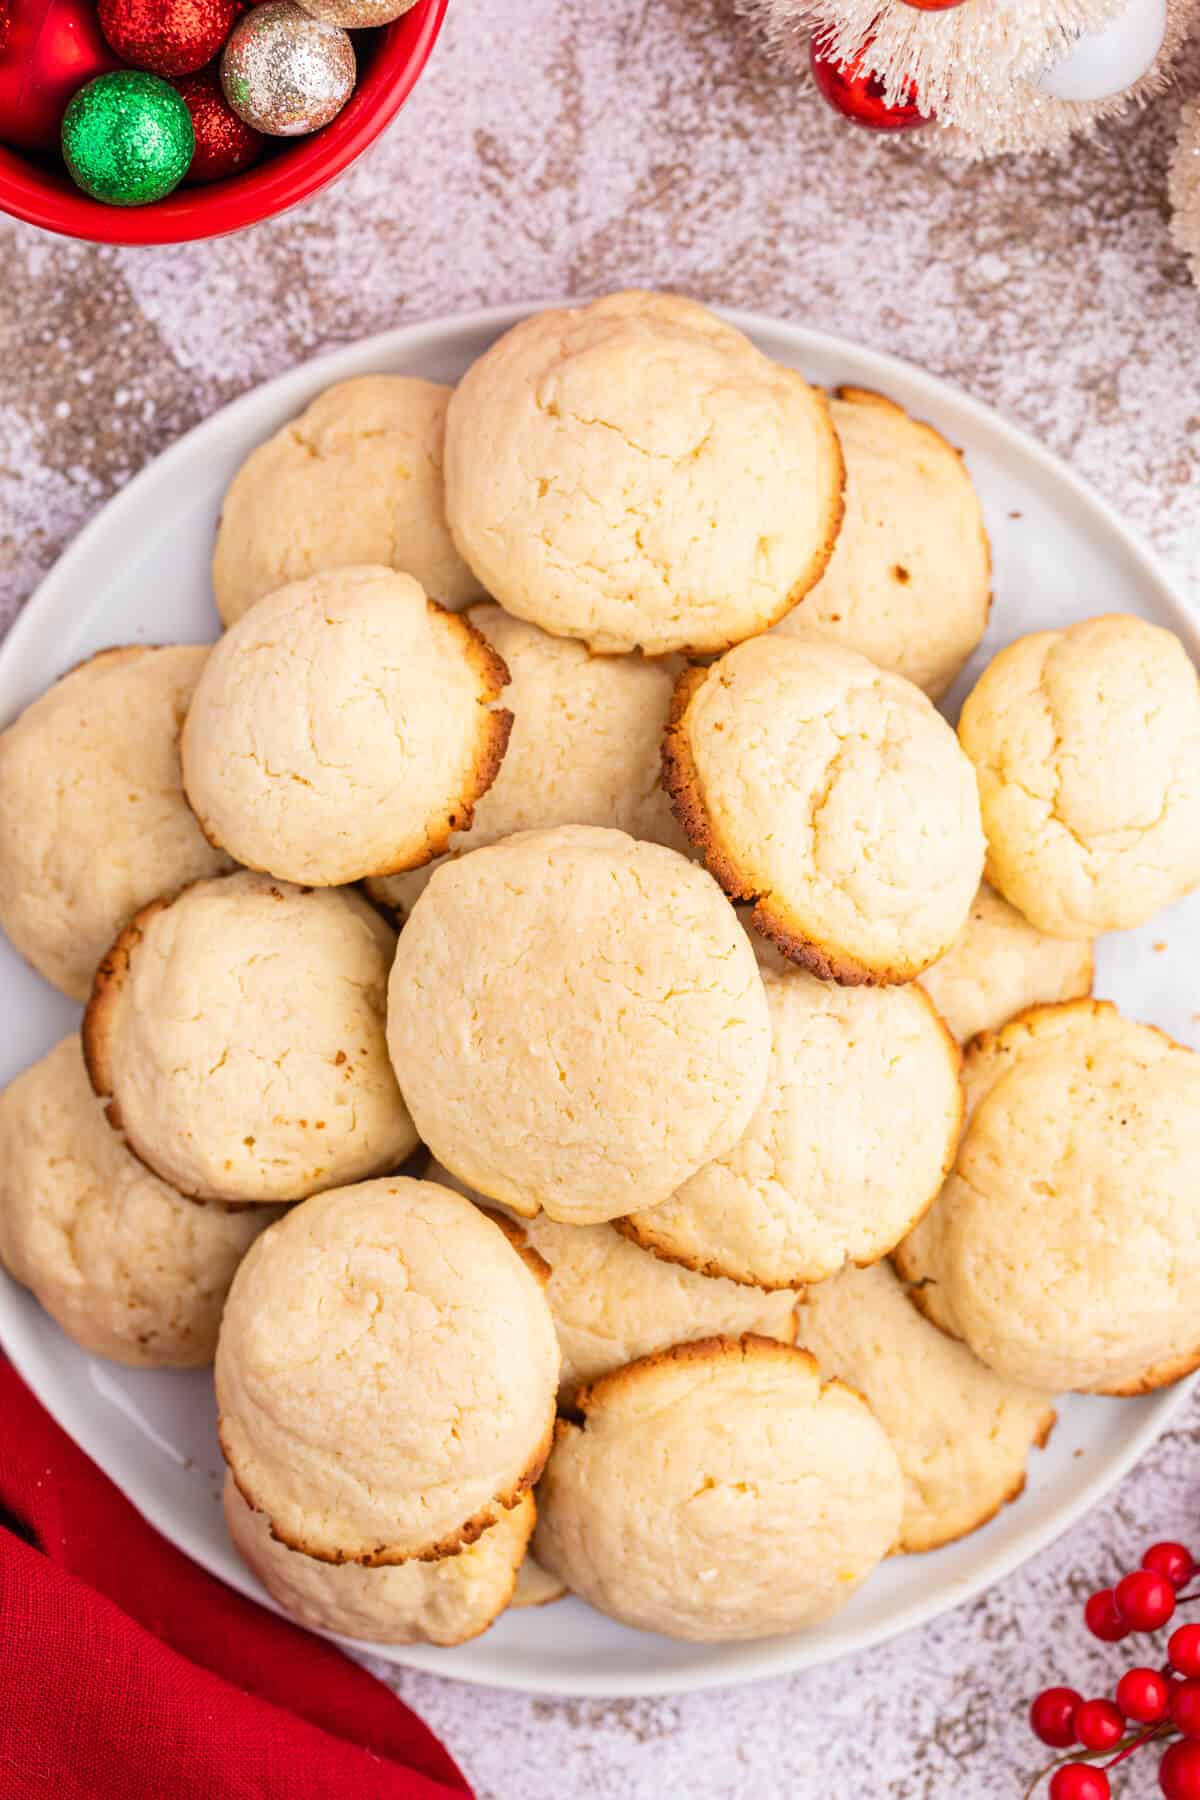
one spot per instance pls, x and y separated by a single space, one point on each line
859 96
356 13
932 5
1100 64
225 144
127 138
168 37
285 73
1150 1709
48 49
1184 187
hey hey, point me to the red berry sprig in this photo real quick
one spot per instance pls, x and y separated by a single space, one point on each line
1150 1706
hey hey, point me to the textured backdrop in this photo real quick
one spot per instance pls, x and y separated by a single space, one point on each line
565 146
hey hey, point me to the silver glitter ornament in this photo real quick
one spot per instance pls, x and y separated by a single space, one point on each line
357 14
286 73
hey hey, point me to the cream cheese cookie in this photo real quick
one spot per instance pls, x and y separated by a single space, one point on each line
386 1374
909 581
611 1302
577 1022
1087 746
584 746
444 1602
237 1033
356 478
636 474
718 1491
963 1434
128 1267
834 796
850 1144
93 819
346 729
1001 964
1065 1247
536 1586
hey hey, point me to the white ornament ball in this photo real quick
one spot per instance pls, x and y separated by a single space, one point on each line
1102 63
355 15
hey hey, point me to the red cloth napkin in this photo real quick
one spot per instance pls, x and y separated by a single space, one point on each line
127 1673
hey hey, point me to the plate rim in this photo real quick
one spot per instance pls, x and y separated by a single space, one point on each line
766 1658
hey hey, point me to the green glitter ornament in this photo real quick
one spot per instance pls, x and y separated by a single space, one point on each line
127 138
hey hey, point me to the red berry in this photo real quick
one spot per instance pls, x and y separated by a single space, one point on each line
1102 1619
1178 1772
1183 1649
1185 1707
1144 1600
1098 1725
1142 1695
1079 1781
1052 1716
1174 1561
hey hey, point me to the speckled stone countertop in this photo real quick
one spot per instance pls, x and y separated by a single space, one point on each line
560 146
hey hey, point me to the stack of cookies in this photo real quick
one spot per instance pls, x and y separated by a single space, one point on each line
527 965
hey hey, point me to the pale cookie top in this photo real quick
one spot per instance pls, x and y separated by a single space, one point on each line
584 749
1065 1248
909 581
93 820
833 795
1087 746
962 1433
238 1033
850 1143
123 1263
577 1021
345 727
635 473
386 1374
442 1602
718 1491
357 478
1000 964
612 1302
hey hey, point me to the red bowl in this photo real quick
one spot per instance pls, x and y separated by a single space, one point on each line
390 62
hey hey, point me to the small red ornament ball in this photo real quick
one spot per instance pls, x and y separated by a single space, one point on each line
1052 1716
49 49
225 144
1079 1781
1179 1771
168 37
1174 1562
1102 1619
1144 1600
1142 1696
858 95
1183 1649
932 5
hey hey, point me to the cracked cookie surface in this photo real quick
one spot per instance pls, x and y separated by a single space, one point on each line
635 473
237 1033
577 1021
718 1491
835 797
344 728
386 1374
356 478
93 818
1087 746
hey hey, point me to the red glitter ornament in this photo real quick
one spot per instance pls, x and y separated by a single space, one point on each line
168 37
932 5
858 95
225 144
48 50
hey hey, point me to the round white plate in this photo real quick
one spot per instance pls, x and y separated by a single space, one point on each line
140 572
